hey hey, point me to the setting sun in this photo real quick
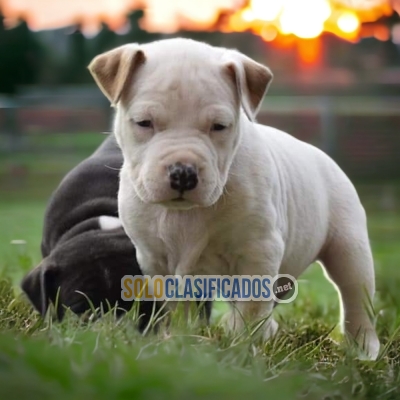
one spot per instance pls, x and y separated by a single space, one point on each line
348 22
308 19
304 19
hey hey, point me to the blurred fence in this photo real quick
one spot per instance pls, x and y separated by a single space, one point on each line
65 109
361 133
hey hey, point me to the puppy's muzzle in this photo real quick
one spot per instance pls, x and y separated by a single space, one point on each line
182 177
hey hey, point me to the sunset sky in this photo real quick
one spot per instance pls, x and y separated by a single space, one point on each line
170 15
165 15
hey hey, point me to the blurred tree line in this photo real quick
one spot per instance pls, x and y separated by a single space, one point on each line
26 59
61 56
20 57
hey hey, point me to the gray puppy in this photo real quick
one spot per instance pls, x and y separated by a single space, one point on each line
84 247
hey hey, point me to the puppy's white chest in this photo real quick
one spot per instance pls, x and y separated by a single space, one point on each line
184 244
190 246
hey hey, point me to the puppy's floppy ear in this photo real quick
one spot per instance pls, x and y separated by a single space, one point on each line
114 69
40 285
251 79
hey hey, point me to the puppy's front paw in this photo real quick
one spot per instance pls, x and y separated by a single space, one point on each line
270 329
233 322
368 345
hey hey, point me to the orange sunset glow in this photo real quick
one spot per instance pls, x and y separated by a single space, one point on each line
308 19
304 19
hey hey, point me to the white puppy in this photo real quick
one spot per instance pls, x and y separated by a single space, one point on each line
206 190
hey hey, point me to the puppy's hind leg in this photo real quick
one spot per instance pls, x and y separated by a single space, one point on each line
348 263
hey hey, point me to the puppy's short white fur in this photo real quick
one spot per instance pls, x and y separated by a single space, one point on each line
265 203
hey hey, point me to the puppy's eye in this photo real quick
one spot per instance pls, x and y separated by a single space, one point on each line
146 123
218 127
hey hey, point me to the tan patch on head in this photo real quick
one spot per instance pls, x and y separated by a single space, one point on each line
251 79
113 70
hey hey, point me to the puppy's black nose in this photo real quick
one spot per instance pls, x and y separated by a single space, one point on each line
182 177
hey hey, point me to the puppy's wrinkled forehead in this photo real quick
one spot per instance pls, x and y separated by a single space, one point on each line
184 76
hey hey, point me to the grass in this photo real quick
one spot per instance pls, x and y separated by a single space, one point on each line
108 359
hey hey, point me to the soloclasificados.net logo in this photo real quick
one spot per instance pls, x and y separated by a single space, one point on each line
281 288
